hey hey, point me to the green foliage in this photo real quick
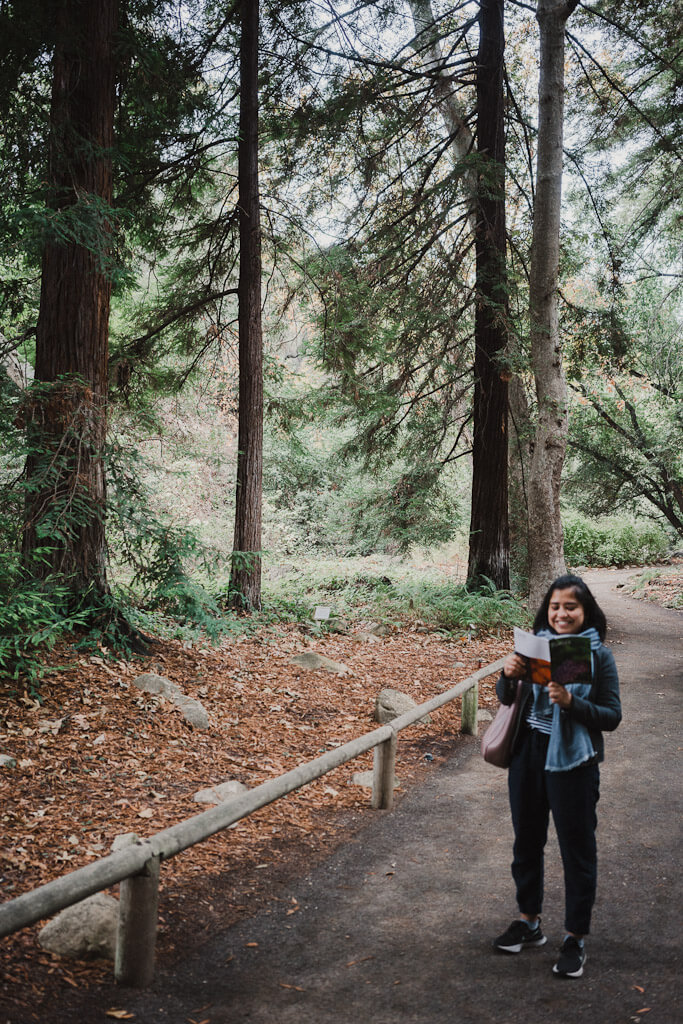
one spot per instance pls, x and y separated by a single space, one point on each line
389 591
318 497
162 562
33 615
626 428
612 540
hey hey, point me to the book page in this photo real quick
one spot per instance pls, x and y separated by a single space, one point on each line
531 646
536 650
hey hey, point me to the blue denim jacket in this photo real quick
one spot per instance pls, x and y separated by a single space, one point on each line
599 712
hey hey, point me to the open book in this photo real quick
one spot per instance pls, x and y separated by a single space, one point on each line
565 659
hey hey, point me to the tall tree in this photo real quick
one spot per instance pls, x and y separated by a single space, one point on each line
245 583
550 440
67 414
489 546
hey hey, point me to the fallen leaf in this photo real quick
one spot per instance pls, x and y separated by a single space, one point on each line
52 727
297 988
251 945
645 1009
120 1014
639 988
146 812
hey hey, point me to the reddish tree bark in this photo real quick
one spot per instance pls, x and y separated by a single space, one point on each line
67 417
489 547
245 583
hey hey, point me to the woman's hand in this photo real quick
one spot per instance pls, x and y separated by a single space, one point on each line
559 694
514 667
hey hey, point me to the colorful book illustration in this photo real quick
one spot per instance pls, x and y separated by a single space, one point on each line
565 659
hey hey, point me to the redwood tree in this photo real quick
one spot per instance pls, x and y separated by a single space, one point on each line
489 548
64 529
245 583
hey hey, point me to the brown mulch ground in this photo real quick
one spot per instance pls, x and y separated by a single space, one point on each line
97 758
664 586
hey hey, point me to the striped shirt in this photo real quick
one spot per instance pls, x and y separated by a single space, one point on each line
542 721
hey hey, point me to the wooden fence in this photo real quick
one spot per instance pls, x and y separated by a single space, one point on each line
136 866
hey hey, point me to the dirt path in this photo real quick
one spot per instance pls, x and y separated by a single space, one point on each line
396 926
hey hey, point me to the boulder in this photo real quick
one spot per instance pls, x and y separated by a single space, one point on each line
220 793
193 711
85 931
150 682
392 703
124 839
7 761
312 661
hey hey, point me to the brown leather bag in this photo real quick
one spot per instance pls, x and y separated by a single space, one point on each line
499 739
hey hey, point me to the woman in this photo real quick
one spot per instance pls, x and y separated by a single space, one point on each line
555 768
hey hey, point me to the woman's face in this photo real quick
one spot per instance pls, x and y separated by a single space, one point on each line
565 612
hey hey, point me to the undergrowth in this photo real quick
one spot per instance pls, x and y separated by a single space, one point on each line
392 592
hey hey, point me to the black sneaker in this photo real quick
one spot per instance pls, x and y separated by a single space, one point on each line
571 961
519 934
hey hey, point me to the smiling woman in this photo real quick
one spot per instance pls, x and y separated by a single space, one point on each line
554 767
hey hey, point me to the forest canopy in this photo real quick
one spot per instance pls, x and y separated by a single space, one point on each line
410 377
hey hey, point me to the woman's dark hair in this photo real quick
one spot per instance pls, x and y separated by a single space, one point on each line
593 614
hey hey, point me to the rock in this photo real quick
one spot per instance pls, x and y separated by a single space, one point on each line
337 625
150 682
391 704
125 839
365 779
220 793
6 761
311 661
193 711
85 931
378 629
484 716
365 637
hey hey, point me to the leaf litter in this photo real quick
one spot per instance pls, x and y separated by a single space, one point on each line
129 762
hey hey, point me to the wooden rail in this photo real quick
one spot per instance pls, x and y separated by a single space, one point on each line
136 866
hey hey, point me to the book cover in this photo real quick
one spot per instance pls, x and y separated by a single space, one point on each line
565 659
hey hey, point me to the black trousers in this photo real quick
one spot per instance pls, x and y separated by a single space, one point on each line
572 798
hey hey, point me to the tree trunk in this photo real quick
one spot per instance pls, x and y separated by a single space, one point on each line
245 583
428 45
489 549
545 525
66 503
519 462
485 193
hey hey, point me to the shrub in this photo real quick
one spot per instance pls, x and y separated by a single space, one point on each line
33 615
390 591
612 540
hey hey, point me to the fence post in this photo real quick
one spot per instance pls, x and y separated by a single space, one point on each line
468 713
137 930
383 776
